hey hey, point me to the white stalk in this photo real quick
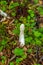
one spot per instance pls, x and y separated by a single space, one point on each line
3 13
21 37
3 19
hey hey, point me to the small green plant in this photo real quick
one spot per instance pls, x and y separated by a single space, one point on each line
3 59
28 39
31 13
4 8
18 60
1 48
37 34
29 50
18 51
11 63
40 10
23 19
36 1
13 13
16 30
13 5
4 42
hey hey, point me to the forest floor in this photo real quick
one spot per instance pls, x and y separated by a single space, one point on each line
11 53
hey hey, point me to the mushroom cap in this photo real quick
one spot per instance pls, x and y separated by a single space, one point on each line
22 27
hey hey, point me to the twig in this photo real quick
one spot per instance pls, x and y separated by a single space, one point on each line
11 22
11 59
37 53
41 59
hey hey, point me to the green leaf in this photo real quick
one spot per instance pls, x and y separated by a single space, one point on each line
3 61
1 48
38 42
31 12
37 34
13 5
32 15
40 9
18 60
41 30
13 13
24 56
28 17
36 1
3 8
4 42
28 40
11 63
16 21
15 31
18 51
29 50
3 57
3 3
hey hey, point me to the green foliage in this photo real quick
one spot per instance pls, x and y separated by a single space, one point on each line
11 63
23 2
23 19
1 48
31 13
37 64
3 59
37 34
41 30
36 1
18 51
18 60
33 36
28 17
13 14
16 30
29 50
40 10
16 21
28 39
2 29
13 5
5 5
38 42
4 42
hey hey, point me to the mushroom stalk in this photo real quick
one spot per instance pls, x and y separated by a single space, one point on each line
3 13
21 36
4 16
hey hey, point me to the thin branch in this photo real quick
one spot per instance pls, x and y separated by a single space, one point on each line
11 59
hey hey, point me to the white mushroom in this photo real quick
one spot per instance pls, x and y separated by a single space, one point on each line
3 13
4 16
21 37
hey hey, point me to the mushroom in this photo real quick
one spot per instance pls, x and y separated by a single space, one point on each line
21 36
4 16
3 13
